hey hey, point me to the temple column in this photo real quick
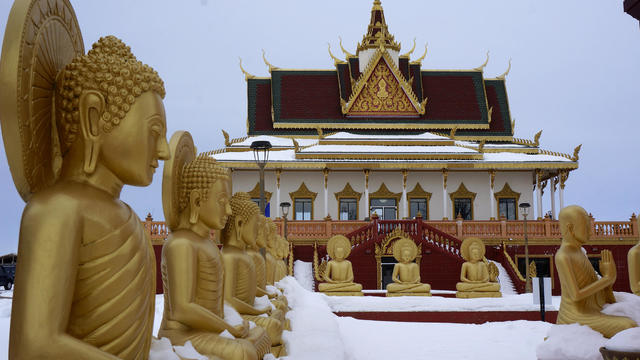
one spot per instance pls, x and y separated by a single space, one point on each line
405 210
492 198
278 172
325 172
366 193
539 193
445 213
553 197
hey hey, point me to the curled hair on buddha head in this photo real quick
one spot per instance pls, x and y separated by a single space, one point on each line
242 207
200 174
110 69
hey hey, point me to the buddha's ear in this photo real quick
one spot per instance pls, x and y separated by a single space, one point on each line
194 206
90 106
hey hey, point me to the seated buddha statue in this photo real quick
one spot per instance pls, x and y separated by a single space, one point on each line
474 275
281 253
338 275
195 196
633 265
85 282
406 273
583 292
240 274
269 257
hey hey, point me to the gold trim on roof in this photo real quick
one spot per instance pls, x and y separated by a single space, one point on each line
393 156
282 124
504 75
419 60
410 51
271 67
247 76
344 51
481 67
226 138
336 61
377 32
506 193
255 193
380 142
576 151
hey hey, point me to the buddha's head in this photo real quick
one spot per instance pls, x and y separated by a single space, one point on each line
242 225
283 248
272 232
575 224
406 254
110 115
205 189
472 249
474 252
338 247
405 250
261 238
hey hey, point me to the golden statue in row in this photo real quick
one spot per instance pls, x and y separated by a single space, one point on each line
476 277
633 264
406 273
338 275
583 292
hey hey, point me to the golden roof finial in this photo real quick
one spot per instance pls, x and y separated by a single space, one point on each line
481 67
501 77
377 30
296 146
413 48
247 76
264 58
481 146
536 138
335 59
226 138
346 53
452 134
513 125
490 112
320 133
419 61
576 151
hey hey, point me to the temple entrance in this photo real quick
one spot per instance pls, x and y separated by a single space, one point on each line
386 209
386 268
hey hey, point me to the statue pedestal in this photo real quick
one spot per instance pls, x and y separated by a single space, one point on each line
342 293
478 294
393 294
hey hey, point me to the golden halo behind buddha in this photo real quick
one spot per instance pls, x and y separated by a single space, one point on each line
338 240
467 243
404 243
183 151
41 38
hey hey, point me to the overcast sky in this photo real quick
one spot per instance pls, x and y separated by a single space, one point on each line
575 74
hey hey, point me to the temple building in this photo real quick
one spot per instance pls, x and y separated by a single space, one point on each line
377 148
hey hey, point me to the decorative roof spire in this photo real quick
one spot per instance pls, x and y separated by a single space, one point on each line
378 31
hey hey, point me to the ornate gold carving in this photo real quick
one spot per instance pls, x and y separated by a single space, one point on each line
452 133
384 193
346 53
481 146
462 193
513 125
296 146
576 151
255 193
366 178
347 192
377 32
264 58
564 176
533 270
490 112
536 138
383 91
504 75
335 59
506 193
492 175
419 60
278 173
445 174
325 172
320 133
226 138
405 173
412 49
481 67
247 76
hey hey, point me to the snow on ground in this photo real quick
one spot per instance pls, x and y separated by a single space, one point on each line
521 302
506 285
303 271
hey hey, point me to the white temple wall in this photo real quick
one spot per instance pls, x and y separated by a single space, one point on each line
475 181
430 181
291 180
519 181
337 181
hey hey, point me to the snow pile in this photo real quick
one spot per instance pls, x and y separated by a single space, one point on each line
627 340
263 302
231 316
303 271
627 304
506 285
162 350
315 333
273 290
573 341
521 302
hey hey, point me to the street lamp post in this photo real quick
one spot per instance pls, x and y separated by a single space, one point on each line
524 208
261 157
285 212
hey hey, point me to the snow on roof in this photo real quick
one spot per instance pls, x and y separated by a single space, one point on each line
349 136
275 141
372 149
519 157
487 146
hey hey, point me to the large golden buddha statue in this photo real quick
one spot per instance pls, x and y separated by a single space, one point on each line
195 196
583 292
338 275
240 274
406 273
633 264
474 275
77 128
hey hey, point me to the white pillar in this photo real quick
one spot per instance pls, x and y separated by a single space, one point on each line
539 193
405 210
561 196
553 198
326 192
445 213
278 192
366 194
492 199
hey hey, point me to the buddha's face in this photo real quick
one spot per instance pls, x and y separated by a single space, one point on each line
262 235
132 149
474 253
406 255
249 230
339 253
215 211
582 227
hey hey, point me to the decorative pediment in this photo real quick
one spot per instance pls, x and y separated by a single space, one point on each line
507 192
418 192
303 192
382 91
462 192
348 192
384 192
385 247
255 193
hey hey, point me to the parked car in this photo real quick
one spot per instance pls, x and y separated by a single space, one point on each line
6 278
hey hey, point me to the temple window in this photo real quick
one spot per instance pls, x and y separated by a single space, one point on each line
384 203
507 202
462 202
348 200
303 199
418 200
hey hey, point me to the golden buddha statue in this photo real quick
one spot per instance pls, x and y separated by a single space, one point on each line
76 129
406 273
270 259
281 252
195 196
583 292
240 274
633 264
338 275
474 275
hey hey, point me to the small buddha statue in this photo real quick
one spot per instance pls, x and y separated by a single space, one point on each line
282 248
406 273
85 282
633 264
196 193
269 257
338 275
240 285
474 275
583 292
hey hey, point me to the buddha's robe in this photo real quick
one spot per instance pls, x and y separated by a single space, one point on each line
281 270
409 275
240 273
115 292
588 310
209 295
261 280
270 268
341 272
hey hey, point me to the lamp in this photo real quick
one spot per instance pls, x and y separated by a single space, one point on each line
524 210
261 157
284 206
